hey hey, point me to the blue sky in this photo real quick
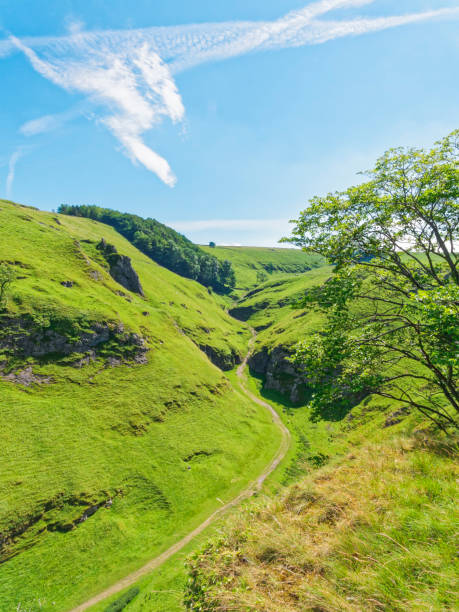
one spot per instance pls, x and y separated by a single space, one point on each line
220 118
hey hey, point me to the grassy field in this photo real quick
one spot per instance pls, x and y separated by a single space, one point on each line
248 262
368 518
315 443
103 467
360 515
107 463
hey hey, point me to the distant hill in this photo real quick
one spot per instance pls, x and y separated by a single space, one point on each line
163 244
254 265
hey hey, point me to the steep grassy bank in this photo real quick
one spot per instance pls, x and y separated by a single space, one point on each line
163 245
373 442
374 530
371 522
109 453
362 474
316 441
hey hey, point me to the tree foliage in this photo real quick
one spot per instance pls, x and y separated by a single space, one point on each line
7 276
392 303
261 276
164 245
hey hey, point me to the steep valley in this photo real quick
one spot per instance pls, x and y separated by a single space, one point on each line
118 432
125 428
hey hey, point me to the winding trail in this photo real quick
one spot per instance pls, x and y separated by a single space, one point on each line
256 485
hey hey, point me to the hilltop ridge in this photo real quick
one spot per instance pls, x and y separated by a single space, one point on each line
162 244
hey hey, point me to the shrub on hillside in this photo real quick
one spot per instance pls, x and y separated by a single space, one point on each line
7 276
122 602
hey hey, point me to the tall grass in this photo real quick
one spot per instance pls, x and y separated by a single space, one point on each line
376 532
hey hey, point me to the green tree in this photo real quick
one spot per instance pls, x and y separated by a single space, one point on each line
261 276
7 276
392 303
227 275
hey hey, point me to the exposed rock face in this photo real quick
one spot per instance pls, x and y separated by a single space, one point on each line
396 417
20 337
224 361
121 269
25 377
280 375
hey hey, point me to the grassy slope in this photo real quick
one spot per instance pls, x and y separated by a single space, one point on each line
366 474
277 262
121 433
271 312
369 524
374 530
313 441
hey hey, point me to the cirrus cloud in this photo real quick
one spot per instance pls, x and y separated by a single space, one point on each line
128 75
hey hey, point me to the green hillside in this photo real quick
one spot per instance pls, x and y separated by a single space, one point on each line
367 520
352 479
269 304
250 262
162 244
118 433
269 309
121 434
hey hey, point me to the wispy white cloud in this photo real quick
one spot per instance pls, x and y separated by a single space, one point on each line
129 73
12 170
74 25
49 123
136 87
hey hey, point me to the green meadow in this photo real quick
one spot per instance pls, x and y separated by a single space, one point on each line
254 265
370 490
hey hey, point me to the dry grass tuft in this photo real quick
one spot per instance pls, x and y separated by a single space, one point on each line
376 532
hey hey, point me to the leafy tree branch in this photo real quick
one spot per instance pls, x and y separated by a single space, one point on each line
392 303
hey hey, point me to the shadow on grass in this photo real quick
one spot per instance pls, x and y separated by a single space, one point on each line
437 442
334 413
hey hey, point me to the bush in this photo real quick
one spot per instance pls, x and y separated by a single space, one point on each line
7 276
123 601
